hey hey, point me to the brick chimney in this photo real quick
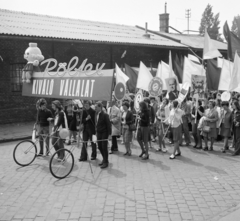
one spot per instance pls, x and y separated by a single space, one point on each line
164 21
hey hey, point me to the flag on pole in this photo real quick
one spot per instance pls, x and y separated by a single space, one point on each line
190 68
235 79
210 50
144 77
132 82
120 76
233 41
121 79
225 76
160 74
178 68
213 75
165 73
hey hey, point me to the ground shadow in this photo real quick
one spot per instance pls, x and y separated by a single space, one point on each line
216 170
151 161
186 160
66 181
116 173
27 168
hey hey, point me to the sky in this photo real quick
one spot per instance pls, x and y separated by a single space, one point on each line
129 12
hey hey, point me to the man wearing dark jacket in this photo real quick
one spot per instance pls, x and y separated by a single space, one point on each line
88 120
43 115
103 129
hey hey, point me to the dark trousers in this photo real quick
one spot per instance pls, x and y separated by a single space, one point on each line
185 129
103 146
57 142
114 143
236 134
87 135
44 134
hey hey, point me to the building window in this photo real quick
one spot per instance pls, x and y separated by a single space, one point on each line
16 77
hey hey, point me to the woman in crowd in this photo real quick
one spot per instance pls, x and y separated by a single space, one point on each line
175 122
160 126
197 113
210 130
236 127
60 122
71 113
143 132
127 120
226 124
115 119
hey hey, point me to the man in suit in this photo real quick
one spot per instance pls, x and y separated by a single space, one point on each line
103 129
88 120
173 93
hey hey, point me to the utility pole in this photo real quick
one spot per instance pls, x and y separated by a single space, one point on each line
188 15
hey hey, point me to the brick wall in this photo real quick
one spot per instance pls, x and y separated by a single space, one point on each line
15 108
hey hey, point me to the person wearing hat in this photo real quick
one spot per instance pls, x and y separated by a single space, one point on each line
104 130
60 121
88 120
42 120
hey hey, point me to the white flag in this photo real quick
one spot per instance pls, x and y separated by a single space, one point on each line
190 68
235 79
144 77
210 50
225 77
120 76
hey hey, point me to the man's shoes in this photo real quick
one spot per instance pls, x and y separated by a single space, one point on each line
93 158
110 152
104 165
164 150
115 149
178 154
205 148
80 160
40 155
154 140
187 144
100 164
172 157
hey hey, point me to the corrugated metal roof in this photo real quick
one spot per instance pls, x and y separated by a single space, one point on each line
194 41
27 24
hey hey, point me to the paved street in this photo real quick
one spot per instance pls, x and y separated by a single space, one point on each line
196 186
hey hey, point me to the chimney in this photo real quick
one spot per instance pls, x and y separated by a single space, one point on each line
146 35
164 21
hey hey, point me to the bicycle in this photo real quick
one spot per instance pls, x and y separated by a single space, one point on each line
25 152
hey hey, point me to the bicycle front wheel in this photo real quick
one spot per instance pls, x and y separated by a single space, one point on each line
24 153
61 163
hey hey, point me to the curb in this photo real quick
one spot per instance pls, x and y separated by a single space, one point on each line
15 139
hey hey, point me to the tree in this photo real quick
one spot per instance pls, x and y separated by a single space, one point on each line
210 22
236 25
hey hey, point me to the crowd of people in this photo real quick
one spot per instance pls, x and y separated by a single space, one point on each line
159 120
